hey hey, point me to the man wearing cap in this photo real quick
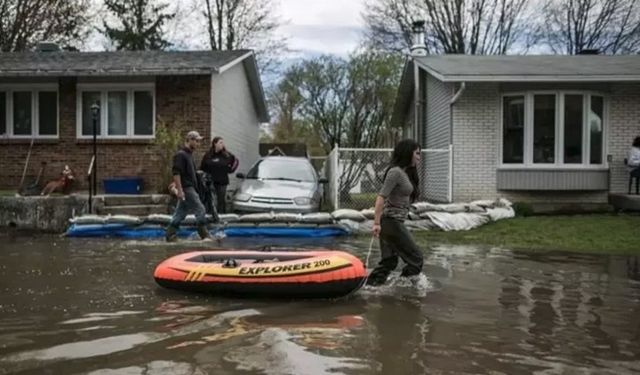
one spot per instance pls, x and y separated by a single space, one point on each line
186 182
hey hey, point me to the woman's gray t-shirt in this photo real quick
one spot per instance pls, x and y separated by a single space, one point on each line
396 190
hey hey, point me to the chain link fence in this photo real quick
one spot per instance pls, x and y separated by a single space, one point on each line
355 176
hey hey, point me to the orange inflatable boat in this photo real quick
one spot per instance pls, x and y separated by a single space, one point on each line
309 274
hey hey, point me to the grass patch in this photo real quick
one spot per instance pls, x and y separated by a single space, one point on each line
602 234
7 193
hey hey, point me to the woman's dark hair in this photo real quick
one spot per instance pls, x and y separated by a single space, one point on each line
213 144
636 142
402 157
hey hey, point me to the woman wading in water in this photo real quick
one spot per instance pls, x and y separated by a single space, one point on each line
399 190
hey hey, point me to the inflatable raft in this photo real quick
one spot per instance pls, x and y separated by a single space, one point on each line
308 274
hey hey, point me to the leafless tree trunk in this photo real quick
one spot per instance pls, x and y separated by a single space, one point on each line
610 26
452 26
237 24
24 23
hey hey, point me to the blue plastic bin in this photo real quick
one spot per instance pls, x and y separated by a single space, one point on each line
123 185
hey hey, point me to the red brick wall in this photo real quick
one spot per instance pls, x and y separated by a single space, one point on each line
179 99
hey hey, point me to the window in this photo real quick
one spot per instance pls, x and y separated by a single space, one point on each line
3 113
282 169
573 129
28 110
126 110
513 113
596 129
544 129
553 128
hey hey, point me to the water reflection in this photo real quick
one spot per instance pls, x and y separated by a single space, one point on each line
92 307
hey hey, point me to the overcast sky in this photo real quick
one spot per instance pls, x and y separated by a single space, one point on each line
310 26
322 26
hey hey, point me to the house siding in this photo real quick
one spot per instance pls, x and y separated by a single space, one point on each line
436 136
624 126
476 144
234 117
183 99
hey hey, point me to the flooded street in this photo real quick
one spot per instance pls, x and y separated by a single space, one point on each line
86 306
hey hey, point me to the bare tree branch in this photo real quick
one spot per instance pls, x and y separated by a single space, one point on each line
609 26
452 26
25 23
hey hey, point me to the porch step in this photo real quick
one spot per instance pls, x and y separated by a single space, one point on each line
135 210
625 202
131 200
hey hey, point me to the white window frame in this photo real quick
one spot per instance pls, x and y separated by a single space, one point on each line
559 133
34 89
104 89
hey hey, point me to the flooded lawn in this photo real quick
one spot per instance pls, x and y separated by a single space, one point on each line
76 306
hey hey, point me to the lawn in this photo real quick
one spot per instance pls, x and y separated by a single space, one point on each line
605 234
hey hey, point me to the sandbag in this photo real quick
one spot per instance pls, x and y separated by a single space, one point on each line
483 203
124 219
453 208
460 221
88 219
413 216
286 217
229 218
317 218
163 219
256 218
348 214
368 213
420 225
500 213
420 207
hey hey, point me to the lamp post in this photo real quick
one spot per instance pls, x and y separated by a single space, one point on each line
95 113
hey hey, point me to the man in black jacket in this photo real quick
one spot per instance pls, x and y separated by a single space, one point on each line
186 183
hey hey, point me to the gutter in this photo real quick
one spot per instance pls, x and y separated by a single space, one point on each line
453 101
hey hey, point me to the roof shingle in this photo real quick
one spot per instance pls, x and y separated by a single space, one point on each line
114 63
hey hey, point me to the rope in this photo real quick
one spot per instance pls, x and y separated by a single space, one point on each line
366 266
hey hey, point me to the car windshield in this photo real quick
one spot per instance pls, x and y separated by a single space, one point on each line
282 169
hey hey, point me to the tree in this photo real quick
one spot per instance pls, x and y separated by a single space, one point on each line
610 26
141 23
452 26
237 24
340 102
25 23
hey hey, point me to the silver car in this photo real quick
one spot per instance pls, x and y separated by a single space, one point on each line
279 184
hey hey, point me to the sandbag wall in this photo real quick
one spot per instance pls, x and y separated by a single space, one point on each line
423 216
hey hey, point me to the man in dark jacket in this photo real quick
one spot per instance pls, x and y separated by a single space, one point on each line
186 183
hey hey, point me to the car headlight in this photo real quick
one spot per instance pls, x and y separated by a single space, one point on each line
242 197
302 201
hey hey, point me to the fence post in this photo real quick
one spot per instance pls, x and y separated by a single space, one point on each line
336 174
450 194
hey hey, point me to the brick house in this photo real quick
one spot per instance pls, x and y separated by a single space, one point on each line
46 96
550 130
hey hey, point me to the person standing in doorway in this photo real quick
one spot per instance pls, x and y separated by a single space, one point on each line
399 190
218 162
185 181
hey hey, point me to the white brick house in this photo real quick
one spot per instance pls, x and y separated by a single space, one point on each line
541 129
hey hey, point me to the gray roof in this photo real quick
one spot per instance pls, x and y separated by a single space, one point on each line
43 64
455 68
134 63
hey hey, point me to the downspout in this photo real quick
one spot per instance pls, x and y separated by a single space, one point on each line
453 101
416 101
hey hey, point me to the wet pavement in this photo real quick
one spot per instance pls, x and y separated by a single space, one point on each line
85 306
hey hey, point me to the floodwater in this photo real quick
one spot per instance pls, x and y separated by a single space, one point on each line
76 306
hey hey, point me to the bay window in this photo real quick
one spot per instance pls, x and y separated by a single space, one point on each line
29 110
126 110
564 129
